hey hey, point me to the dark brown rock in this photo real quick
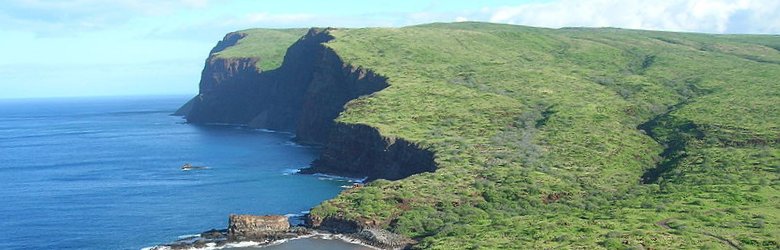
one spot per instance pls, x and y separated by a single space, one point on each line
213 234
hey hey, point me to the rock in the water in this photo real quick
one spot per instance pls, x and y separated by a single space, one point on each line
213 234
257 227
187 167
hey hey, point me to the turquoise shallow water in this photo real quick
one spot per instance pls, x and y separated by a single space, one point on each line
103 173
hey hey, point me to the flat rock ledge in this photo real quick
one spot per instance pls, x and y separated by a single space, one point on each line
263 229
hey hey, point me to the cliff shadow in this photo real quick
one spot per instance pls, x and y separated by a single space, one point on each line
357 150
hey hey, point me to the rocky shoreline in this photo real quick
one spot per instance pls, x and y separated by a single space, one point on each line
263 230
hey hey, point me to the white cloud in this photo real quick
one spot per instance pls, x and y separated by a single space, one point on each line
49 17
714 16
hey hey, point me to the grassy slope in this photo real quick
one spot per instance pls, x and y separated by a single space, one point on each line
269 45
537 139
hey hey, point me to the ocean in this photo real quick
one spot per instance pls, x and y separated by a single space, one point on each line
104 173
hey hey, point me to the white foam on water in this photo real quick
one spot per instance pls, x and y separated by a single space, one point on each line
213 246
340 178
273 131
293 144
244 244
187 236
224 124
291 171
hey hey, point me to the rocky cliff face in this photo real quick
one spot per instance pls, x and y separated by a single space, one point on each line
361 151
304 95
334 83
234 91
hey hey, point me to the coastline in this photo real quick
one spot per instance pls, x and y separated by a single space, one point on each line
297 221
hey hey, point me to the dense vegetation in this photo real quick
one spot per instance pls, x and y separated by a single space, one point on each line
572 138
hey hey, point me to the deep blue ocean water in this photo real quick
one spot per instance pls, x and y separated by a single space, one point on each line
104 173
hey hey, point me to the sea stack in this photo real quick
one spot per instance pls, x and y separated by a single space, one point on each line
257 227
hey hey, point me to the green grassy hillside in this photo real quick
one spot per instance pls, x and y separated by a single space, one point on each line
572 138
269 45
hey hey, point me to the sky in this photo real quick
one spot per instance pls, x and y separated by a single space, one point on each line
71 48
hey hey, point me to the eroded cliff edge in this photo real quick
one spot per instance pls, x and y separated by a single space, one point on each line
305 95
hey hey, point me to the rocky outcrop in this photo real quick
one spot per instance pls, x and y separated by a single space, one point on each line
256 227
361 151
